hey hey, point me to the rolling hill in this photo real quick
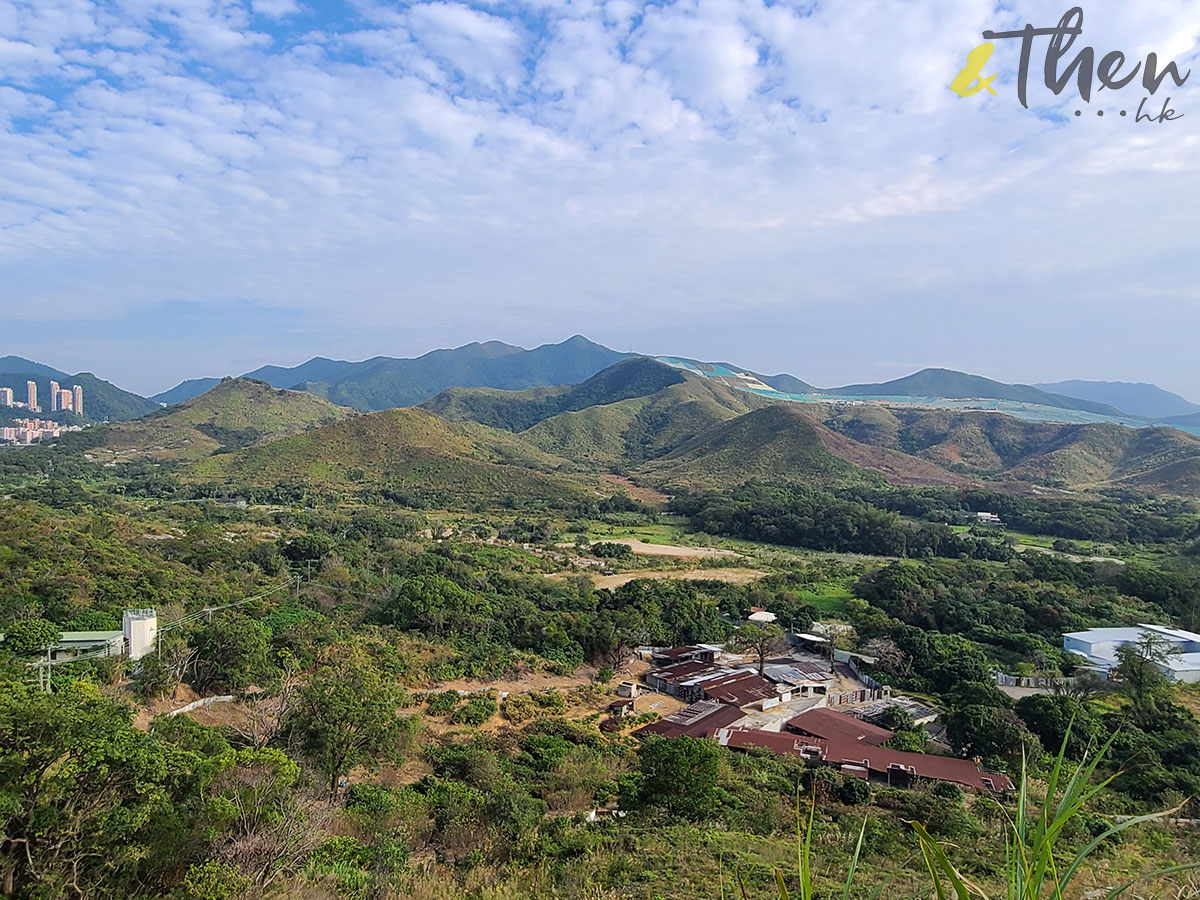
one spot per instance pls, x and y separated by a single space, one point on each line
1007 448
948 384
236 413
636 410
1146 401
519 410
408 454
101 400
784 441
387 383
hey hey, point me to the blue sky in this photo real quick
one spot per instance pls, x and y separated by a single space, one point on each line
198 187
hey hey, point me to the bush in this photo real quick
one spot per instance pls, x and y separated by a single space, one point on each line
550 700
444 703
611 550
214 880
478 710
948 791
854 791
520 708
370 799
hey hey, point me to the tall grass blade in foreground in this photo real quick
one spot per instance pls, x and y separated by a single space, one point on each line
1032 871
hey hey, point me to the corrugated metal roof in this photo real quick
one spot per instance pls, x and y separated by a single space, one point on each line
825 723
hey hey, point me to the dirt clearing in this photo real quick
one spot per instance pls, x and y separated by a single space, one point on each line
644 549
729 576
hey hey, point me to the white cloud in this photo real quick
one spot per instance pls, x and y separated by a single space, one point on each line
675 161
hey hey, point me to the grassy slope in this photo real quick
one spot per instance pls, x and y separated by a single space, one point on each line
987 444
631 431
520 410
775 441
234 414
784 441
408 449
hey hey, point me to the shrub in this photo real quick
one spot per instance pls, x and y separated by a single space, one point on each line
214 880
444 703
948 791
479 709
611 550
370 799
520 708
854 791
551 700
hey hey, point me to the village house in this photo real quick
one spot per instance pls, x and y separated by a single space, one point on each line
849 748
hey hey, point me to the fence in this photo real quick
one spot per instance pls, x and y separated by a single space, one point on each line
1031 681
836 699
867 679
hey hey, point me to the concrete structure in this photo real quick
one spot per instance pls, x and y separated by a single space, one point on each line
55 390
760 616
140 627
77 393
6 396
627 689
1098 646
66 400
988 518
31 395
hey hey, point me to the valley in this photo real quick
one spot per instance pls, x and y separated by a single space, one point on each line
470 646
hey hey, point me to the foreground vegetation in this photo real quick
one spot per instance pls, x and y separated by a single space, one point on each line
369 753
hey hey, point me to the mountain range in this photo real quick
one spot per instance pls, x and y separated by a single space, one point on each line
550 418
385 382
654 424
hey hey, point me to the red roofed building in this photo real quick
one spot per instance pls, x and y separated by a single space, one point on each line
894 767
740 689
825 723
700 720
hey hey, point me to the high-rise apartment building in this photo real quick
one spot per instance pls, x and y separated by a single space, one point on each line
66 400
77 390
54 389
31 394
6 396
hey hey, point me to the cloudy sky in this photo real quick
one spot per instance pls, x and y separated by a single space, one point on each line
197 187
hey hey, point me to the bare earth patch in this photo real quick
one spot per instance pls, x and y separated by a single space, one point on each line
730 576
644 549
646 495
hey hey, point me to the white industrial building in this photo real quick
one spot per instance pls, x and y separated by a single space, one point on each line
1099 647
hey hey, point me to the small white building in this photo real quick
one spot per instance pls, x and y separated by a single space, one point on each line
1099 647
760 616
